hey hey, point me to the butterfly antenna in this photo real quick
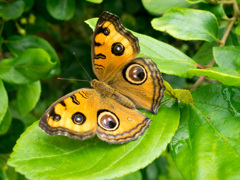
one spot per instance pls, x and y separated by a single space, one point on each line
72 79
82 66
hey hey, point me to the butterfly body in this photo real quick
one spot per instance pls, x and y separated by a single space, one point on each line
107 91
124 83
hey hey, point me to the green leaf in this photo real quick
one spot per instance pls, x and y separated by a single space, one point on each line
168 59
224 75
197 1
160 6
217 9
6 122
232 39
227 57
188 24
3 101
205 53
228 72
28 4
11 10
95 1
32 65
27 97
133 176
92 158
237 29
207 143
171 171
61 9
19 44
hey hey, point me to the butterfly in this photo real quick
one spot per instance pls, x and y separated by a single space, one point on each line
124 83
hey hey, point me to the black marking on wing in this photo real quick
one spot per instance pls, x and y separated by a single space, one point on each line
106 16
83 94
74 99
97 44
54 115
62 103
104 30
100 56
97 66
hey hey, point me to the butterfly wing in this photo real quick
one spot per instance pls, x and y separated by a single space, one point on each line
119 124
73 115
84 113
112 46
141 81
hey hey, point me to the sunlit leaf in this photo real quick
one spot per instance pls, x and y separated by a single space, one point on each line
95 1
92 158
184 23
224 75
207 143
160 6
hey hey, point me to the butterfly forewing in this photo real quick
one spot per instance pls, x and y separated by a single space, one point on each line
73 115
112 46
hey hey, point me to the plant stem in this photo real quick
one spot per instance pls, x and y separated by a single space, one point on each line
197 83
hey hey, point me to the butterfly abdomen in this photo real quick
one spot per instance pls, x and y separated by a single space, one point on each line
108 91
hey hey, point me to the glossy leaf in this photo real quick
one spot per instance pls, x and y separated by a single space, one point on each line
160 6
92 158
32 65
168 59
224 75
207 143
27 94
184 23
61 9
11 10
227 57
19 44
6 122
3 101
95 1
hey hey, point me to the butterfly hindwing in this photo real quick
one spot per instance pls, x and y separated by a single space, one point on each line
119 124
141 81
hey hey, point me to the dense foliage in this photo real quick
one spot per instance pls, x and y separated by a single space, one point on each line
196 45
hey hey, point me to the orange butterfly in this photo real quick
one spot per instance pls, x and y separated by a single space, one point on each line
125 83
